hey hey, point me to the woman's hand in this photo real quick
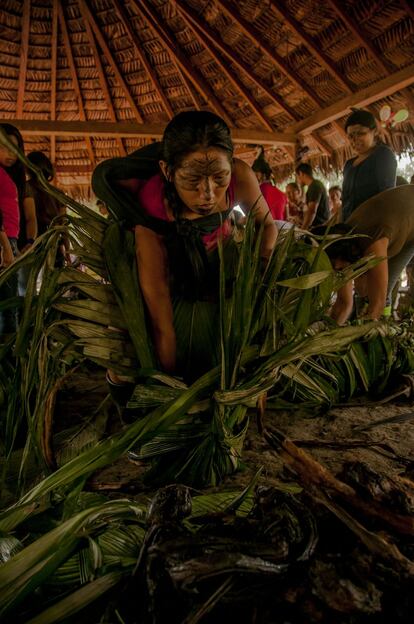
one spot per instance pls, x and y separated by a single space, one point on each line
342 308
249 196
7 257
374 283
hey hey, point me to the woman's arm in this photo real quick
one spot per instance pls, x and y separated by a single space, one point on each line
248 194
29 212
376 280
342 308
7 252
152 264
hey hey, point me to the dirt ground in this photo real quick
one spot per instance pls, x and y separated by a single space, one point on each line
335 437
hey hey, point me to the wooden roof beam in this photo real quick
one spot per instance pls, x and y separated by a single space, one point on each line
74 75
323 59
234 58
199 31
105 48
24 55
257 39
143 59
102 77
358 34
322 144
167 39
275 58
39 127
194 94
53 76
387 86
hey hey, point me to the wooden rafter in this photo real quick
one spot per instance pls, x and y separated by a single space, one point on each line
23 57
257 39
53 76
359 35
238 85
234 58
110 58
74 75
194 94
167 39
142 57
322 144
365 97
33 127
323 59
102 77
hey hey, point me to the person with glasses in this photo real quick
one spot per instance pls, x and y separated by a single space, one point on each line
372 170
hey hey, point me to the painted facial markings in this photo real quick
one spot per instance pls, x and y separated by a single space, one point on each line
200 169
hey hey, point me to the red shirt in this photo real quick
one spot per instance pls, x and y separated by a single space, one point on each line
9 204
276 200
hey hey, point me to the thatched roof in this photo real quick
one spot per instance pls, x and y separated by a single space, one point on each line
90 79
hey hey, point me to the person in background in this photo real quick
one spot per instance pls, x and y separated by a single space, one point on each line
275 199
412 179
47 207
12 190
317 204
296 207
102 209
372 170
28 222
386 225
335 203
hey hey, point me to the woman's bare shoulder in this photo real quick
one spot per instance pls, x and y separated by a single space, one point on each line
241 169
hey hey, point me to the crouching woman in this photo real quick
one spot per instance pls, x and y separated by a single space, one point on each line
178 195
386 223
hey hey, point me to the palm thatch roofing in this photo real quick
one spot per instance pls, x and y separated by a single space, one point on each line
86 80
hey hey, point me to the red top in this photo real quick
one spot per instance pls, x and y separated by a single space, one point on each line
9 204
276 200
151 198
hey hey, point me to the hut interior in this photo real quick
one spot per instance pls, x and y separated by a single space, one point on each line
86 80
313 522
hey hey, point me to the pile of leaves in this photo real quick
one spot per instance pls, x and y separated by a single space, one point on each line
338 550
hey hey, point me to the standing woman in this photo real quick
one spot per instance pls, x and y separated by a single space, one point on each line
39 210
12 190
275 199
372 170
178 195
